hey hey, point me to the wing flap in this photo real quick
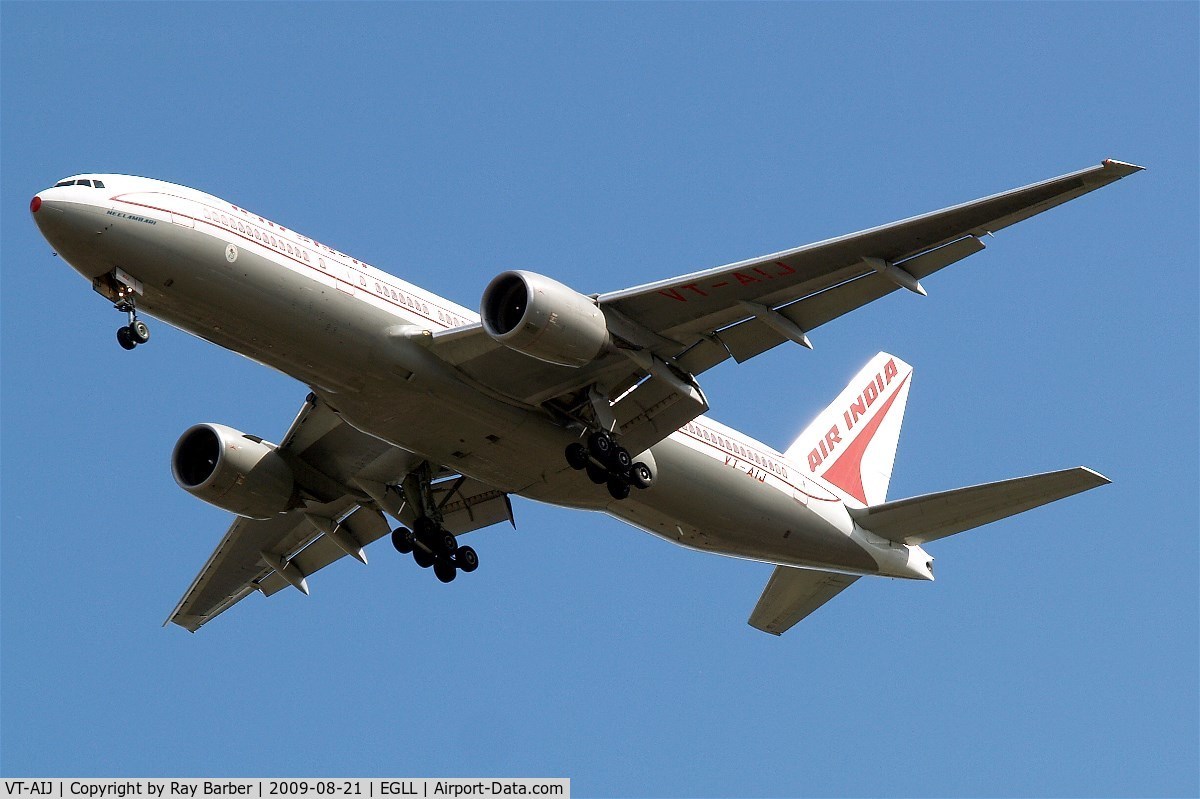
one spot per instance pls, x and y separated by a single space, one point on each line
235 566
754 337
654 410
364 526
468 504
792 594
918 520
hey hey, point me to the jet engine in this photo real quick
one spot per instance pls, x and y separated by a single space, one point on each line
234 471
544 319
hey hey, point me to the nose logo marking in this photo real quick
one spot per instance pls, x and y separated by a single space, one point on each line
231 253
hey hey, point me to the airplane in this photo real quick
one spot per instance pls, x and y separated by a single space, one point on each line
423 411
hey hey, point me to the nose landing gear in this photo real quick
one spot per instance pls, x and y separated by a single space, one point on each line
607 462
122 290
136 332
133 334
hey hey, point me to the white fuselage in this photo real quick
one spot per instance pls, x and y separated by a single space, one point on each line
349 331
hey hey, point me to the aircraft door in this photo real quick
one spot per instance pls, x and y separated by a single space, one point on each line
181 214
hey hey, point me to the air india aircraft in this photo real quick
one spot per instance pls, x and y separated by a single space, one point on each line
426 412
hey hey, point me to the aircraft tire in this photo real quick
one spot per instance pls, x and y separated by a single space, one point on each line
621 459
445 570
139 332
596 474
641 476
446 544
424 559
402 540
601 445
125 338
466 559
577 456
618 488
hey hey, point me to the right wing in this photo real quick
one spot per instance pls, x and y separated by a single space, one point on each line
792 594
348 480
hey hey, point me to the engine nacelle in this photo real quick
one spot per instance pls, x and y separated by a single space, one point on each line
226 468
544 319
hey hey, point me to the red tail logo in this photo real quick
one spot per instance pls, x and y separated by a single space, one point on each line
845 471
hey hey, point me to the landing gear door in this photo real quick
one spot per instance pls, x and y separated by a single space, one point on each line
117 285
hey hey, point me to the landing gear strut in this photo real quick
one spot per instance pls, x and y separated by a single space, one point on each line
429 543
122 290
607 462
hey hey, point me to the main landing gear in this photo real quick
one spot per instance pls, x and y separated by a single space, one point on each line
607 462
429 543
134 333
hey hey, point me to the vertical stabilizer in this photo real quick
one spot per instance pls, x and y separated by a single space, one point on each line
851 445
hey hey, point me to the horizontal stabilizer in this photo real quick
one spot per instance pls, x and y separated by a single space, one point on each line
918 520
792 594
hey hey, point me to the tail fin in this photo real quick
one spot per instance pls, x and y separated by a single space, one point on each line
852 444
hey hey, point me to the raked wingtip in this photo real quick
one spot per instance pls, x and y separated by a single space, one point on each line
1124 167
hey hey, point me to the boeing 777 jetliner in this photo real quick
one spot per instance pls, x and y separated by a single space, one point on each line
425 412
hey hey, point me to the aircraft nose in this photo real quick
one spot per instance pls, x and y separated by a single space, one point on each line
47 213
70 227
50 215
58 211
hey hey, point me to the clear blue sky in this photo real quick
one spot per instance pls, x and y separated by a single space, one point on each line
610 145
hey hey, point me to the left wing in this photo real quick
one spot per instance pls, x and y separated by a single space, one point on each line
703 302
347 481
668 332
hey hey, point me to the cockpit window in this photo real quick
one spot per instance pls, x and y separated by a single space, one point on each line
99 184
